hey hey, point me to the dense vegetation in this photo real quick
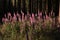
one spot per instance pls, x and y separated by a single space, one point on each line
29 27
39 23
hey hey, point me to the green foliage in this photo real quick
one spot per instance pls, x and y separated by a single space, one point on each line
15 32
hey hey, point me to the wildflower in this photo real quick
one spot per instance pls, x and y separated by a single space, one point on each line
19 19
22 16
14 18
3 19
31 20
9 16
40 15
32 15
22 12
25 17
50 19
36 15
14 15
18 14
6 20
47 17
51 13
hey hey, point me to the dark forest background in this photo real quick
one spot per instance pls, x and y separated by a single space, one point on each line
31 6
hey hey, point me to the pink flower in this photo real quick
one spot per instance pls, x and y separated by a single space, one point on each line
25 17
3 19
31 20
22 17
19 19
14 17
6 20
38 17
14 14
18 14
35 14
22 12
32 15
40 14
47 17
10 18
9 14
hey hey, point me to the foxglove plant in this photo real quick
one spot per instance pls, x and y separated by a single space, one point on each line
31 20
6 20
18 16
25 17
3 20
22 16
39 15
47 17
34 24
14 19
9 16
33 17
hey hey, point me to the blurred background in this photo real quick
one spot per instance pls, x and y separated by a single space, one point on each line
31 6
24 26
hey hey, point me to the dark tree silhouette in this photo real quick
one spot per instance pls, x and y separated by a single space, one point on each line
19 6
30 6
24 7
